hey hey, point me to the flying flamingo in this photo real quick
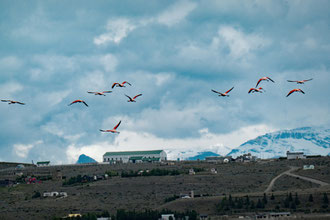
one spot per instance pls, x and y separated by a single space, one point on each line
222 94
78 100
132 99
300 81
264 78
253 90
100 93
120 84
13 102
112 130
295 90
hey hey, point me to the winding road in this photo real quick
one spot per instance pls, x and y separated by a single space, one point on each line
288 172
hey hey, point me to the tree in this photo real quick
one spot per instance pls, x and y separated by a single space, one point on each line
264 199
247 200
325 199
252 205
290 197
36 195
272 197
310 198
230 200
260 205
239 203
286 202
296 199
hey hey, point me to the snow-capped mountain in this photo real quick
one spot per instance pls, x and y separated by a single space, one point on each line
310 140
202 155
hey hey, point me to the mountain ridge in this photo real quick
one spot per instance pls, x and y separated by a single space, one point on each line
310 140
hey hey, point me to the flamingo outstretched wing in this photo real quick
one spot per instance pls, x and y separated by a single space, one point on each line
229 90
113 85
259 81
128 97
308 79
270 79
126 82
85 103
295 90
216 91
117 125
137 96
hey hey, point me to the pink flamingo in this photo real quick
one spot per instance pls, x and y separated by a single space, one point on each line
78 101
264 78
253 90
112 130
120 84
132 99
222 94
100 93
13 102
295 90
300 81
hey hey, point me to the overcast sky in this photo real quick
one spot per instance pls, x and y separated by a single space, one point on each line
174 53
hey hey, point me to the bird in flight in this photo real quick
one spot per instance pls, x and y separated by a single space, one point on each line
295 90
223 94
78 100
132 99
264 78
120 84
300 81
253 90
100 93
112 130
13 102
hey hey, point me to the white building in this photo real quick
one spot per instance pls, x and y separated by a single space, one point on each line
167 216
43 163
308 167
295 155
135 156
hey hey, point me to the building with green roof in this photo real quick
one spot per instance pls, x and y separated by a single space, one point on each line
43 163
135 156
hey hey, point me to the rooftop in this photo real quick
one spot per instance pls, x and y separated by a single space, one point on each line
43 162
138 153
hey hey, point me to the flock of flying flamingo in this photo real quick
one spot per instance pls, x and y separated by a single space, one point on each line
114 130
260 89
130 99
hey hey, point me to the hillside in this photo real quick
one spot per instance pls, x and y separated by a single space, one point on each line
144 191
311 141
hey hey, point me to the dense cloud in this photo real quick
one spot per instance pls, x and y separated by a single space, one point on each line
172 52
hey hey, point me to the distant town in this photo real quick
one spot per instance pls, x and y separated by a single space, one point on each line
132 181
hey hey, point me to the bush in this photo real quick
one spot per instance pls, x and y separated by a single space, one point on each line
36 195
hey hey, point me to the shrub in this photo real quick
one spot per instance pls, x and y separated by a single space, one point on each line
36 195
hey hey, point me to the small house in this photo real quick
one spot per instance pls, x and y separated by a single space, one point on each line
214 171
54 193
295 155
308 167
47 194
43 163
64 194
167 216
192 171
203 216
